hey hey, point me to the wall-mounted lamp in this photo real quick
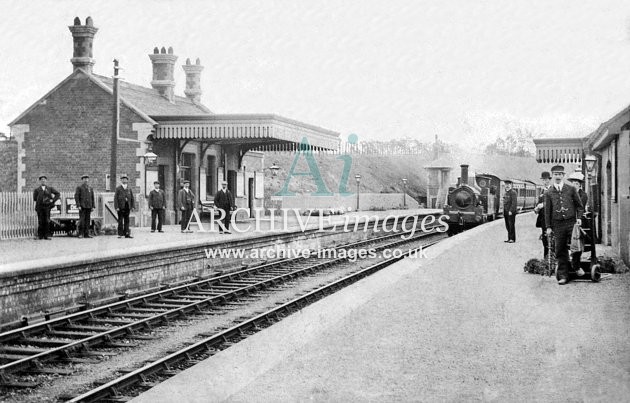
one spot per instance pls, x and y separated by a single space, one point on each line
274 168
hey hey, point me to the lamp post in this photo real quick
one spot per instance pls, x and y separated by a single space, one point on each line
404 181
357 177
590 165
149 161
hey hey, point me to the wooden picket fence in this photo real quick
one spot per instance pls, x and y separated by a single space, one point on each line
18 218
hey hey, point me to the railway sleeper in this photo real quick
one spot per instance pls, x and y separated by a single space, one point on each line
162 306
43 342
117 322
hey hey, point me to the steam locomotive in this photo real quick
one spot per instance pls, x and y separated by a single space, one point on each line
474 202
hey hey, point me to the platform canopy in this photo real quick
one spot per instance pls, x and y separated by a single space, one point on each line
259 132
559 150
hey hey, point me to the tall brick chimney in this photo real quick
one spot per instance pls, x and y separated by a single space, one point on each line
83 37
193 80
163 68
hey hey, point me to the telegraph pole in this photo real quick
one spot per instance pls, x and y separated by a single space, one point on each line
115 129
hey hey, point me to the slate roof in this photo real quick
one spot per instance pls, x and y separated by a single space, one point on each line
149 101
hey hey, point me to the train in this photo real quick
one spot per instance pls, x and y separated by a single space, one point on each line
475 202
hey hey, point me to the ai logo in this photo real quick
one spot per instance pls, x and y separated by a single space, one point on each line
313 170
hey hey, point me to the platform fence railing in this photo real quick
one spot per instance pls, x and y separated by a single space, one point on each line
18 218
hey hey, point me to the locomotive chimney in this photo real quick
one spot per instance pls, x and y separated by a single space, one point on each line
464 175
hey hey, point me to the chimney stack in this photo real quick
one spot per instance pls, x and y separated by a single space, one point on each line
193 80
163 67
83 37
464 175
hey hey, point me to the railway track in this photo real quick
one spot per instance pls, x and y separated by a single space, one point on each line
41 348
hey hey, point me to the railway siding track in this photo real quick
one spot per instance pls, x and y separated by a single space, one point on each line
72 338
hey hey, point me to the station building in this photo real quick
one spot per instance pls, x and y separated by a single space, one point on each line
606 151
161 136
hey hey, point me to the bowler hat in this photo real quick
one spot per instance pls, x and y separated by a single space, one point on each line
507 181
186 181
557 168
224 182
124 176
156 183
40 178
85 176
545 175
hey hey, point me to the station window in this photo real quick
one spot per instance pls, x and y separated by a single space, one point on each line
211 175
185 168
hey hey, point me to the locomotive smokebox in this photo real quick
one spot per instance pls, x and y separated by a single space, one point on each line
464 175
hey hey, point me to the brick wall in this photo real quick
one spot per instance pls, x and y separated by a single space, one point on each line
8 166
69 135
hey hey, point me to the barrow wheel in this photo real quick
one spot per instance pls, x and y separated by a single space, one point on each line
596 274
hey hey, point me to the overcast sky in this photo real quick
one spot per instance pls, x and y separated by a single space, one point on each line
380 69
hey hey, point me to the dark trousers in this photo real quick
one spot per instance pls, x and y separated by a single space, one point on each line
43 222
226 218
159 214
545 243
84 221
510 222
186 214
123 222
562 232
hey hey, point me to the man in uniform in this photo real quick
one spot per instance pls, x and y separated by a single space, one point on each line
224 201
157 202
124 203
186 200
44 197
563 209
577 179
509 211
540 210
84 199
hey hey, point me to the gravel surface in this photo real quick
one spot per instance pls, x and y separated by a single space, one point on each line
466 325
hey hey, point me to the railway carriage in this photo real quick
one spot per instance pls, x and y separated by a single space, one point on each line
470 204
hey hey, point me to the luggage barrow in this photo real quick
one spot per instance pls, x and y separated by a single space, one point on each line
591 267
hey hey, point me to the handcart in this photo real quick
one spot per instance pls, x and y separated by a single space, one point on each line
591 267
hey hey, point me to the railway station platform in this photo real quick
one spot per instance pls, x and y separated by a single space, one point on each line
68 273
466 323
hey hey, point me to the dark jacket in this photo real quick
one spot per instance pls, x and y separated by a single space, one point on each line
157 199
509 202
186 199
583 198
123 197
540 219
563 205
84 196
224 200
45 198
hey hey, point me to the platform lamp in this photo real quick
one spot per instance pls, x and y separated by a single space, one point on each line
404 181
357 177
274 169
590 161
150 159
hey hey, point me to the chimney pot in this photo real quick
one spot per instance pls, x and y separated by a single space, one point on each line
163 75
193 80
83 38
170 50
156 50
